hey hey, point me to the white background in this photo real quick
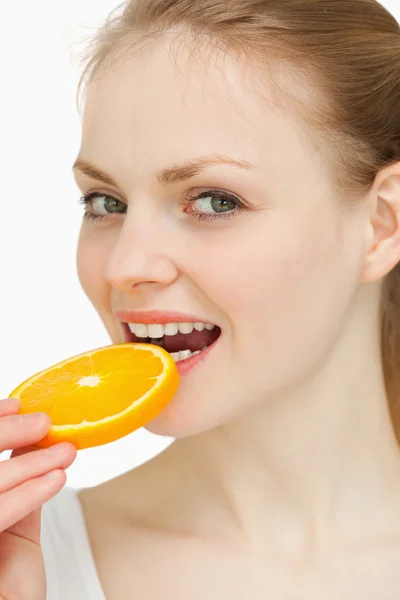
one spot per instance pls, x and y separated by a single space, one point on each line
45 316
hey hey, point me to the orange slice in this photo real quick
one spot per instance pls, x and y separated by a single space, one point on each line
100 396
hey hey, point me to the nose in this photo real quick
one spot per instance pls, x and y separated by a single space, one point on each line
141 256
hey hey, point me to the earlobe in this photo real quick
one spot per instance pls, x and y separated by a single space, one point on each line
384 252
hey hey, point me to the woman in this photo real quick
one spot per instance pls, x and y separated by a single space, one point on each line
240 168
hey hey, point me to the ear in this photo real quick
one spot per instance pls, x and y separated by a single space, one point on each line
384 225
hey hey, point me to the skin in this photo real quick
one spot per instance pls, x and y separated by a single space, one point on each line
284 481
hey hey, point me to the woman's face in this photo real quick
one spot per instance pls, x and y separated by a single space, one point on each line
266 254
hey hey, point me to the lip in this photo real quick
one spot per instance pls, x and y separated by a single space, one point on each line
162 317
183 366
149 317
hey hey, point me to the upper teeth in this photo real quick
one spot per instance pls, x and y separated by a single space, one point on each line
158 331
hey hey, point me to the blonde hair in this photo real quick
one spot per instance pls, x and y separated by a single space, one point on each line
350 52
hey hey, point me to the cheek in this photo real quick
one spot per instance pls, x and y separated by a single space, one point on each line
285 293
90 258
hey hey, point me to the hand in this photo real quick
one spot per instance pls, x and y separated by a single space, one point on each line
27 480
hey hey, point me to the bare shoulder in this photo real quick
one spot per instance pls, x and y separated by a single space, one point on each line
132 528
111 529
111 501
136 500
127 549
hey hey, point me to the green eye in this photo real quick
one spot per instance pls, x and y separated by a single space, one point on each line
213 204
110 204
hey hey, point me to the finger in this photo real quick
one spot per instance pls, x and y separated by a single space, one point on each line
9 406
23 450
34 464
17 431
18 504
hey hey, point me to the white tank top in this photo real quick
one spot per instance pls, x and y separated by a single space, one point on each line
70 569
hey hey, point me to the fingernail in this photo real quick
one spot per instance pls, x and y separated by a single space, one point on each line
59 448
2 400
34 419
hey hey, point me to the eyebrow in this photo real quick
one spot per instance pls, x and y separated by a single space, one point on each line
174 174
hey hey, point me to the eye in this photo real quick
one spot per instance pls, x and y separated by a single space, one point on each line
204 206
213 204
99 202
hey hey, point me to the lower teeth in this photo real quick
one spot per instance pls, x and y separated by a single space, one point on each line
184 354
177 356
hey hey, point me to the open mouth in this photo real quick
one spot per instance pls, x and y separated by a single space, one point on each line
181 340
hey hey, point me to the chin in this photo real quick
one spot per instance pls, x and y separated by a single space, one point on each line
178 424
182 418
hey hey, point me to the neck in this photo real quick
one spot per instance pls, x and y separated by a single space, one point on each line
317 465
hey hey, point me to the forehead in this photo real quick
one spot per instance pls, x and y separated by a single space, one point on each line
167 99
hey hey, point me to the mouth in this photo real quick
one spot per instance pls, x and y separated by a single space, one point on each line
187 342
